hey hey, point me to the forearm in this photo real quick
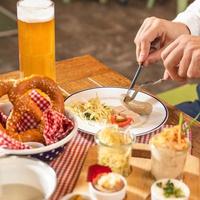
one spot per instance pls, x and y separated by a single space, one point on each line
191 18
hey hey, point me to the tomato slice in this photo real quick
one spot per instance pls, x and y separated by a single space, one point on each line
127 121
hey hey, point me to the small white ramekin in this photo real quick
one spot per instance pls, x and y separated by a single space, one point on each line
119 195
157 194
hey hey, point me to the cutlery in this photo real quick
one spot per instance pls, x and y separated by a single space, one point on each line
128 94
145 84
155 45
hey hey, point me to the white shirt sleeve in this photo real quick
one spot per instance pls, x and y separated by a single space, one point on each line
191 17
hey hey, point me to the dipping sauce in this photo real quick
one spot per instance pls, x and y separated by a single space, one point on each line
20 192
77 197
108 186
108 182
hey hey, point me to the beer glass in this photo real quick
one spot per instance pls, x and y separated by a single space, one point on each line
36 35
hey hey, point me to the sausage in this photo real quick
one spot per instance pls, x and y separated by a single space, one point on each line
142 108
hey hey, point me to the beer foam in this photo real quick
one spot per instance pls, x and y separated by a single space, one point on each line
34 11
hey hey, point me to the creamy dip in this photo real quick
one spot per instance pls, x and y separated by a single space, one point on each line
169 189
108 182
20 192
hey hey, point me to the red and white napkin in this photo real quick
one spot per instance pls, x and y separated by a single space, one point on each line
56 125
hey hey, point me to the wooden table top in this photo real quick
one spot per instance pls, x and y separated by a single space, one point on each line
86 72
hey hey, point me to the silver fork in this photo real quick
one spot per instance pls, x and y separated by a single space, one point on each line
145 84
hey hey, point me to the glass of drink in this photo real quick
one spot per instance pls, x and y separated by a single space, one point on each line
36 33
167 163
169 153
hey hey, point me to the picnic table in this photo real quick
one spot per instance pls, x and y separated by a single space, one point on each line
81 73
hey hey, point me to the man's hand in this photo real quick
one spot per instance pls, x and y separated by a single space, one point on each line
182 58
151 29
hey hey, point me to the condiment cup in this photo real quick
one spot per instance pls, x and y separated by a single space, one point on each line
28 171
157 193
99 195
84 195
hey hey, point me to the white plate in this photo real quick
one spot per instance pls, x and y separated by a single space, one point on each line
113 97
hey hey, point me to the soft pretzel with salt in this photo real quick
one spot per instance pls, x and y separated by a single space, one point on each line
33 135
43 83
5 86
19 96
23 105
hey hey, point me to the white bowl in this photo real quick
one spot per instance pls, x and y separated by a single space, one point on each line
84 195
28 171
119 195
46 153
157 193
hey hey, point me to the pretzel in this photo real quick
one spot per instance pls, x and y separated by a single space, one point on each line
25 104
5 86
31 135
45 84
22 105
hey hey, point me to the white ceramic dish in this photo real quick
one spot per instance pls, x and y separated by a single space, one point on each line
157 193
119 195
45 153
114 97
28 171
84 195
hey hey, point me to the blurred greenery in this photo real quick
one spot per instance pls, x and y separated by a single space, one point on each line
184 93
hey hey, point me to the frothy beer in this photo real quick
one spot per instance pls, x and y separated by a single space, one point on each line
36 33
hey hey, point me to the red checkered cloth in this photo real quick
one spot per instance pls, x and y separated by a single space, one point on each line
9 143
56 125
69 164
27 121
3 119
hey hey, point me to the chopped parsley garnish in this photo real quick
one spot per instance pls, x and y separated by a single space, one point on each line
159 184
87 115
169 190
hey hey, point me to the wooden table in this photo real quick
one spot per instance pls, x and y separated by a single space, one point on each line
86 72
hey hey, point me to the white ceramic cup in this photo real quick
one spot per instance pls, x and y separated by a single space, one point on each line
28 171
119 195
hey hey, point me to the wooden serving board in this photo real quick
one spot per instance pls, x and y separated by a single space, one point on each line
140 180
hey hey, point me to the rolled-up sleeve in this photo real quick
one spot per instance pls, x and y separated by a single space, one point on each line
191 18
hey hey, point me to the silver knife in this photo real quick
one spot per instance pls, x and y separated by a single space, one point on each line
154 46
